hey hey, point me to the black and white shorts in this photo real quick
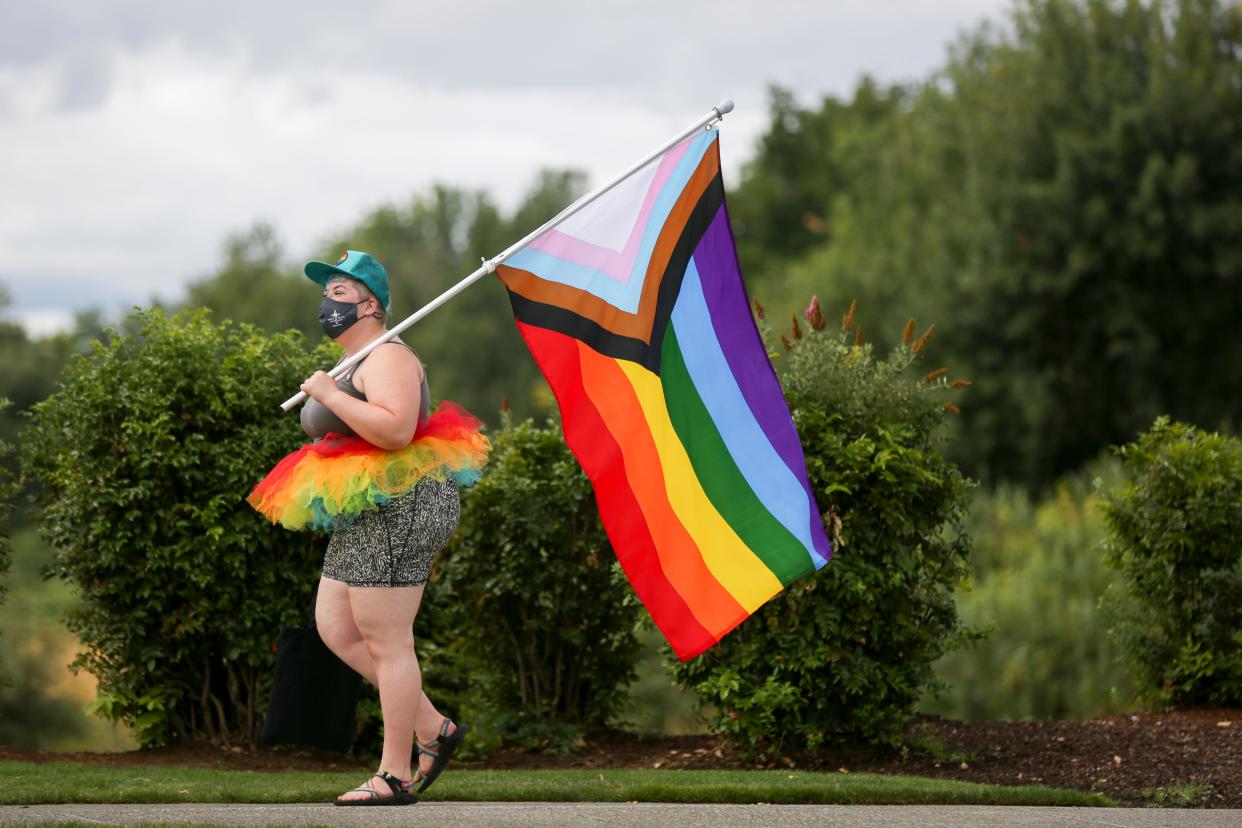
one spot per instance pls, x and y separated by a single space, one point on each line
397 544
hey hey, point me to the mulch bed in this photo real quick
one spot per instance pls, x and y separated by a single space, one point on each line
1171 758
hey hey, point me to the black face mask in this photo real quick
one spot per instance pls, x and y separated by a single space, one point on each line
337 317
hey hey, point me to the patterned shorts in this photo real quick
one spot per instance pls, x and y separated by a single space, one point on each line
398 543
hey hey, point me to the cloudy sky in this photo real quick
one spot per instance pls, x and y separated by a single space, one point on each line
135 136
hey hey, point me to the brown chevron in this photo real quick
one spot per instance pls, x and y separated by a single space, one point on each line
590 307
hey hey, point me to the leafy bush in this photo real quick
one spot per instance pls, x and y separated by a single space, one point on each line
145 455
7 492
529 600
1037 575
1173 536
846 654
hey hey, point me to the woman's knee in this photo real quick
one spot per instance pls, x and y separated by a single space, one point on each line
389 644
333 618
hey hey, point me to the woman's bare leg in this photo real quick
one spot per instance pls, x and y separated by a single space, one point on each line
335 621
385 618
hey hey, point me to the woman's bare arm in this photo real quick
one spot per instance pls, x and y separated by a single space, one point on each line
390 378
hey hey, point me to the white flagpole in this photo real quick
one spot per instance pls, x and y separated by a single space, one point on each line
489 265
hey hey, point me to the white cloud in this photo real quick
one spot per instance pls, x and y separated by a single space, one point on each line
41 323
121 185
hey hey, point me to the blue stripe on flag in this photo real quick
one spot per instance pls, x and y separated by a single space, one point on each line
780 492
621 296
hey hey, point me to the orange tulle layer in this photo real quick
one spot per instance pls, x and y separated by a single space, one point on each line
324 484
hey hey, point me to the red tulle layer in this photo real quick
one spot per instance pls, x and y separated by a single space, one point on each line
341 476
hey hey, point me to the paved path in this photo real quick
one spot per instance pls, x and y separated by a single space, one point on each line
646 815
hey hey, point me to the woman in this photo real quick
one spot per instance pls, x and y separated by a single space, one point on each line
383 474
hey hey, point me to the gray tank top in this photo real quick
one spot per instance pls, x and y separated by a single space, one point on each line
318 419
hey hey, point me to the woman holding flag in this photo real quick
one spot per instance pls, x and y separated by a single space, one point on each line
383 475
633 305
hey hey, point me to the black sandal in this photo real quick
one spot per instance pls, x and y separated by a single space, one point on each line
401 794
440 749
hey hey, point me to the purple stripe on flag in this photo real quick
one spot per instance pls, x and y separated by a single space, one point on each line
719 272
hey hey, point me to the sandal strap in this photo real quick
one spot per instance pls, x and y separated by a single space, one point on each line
397 784
432 748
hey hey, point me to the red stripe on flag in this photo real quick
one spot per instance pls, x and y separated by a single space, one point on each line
600 455
613 394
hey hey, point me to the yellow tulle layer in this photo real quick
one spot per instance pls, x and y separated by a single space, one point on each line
324 484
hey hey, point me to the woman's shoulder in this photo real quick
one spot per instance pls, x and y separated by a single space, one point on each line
396 354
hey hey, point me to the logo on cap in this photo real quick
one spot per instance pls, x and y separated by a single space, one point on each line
344 256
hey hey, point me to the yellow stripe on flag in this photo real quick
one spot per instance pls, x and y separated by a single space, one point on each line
728 559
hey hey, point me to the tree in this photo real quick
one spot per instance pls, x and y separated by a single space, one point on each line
471 347
32 369
144 457
254 285
8 489
1100 148
809 168
1065 193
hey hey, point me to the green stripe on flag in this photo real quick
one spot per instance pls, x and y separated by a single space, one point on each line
723 482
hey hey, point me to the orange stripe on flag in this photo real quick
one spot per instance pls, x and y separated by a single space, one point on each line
609 388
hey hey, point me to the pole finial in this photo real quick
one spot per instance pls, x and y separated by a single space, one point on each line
724 107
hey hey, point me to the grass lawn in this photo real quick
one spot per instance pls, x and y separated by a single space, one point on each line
23 783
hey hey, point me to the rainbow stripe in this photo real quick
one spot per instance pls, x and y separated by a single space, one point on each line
326 483
636 313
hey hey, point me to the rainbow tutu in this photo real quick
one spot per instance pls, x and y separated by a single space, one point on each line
325 484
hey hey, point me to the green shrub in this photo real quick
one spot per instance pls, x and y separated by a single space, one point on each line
7 492
1037 575
529 600
1173 535
145 455
847 653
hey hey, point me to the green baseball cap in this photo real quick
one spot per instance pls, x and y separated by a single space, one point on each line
354 264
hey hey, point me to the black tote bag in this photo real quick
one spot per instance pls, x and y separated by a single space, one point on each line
314 694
